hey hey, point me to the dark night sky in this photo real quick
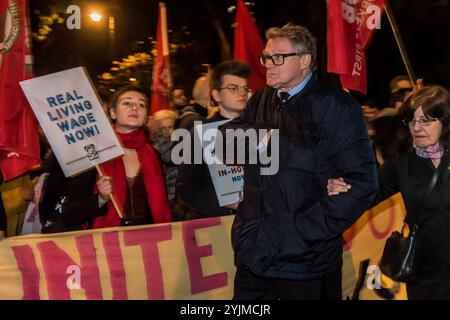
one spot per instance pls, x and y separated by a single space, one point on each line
424 25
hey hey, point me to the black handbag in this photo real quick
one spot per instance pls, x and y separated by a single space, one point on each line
399 257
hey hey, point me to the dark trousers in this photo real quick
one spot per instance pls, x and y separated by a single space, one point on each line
248 286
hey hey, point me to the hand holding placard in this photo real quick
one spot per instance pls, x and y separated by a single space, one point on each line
111 195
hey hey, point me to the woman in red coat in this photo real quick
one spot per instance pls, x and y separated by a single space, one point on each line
136 179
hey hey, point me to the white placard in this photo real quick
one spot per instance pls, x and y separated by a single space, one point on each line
228 180
73 120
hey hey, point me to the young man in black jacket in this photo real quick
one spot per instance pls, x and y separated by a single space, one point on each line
229 89
287 234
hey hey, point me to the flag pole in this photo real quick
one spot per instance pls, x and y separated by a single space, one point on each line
400 43
161 77
166 49
113 199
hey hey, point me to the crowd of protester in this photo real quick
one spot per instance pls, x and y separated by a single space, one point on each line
188 185
151 188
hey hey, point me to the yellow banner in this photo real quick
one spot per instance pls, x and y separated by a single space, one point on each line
365 241
183 260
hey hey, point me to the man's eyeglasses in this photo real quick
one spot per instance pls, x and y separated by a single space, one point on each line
423 122
235 88
278 58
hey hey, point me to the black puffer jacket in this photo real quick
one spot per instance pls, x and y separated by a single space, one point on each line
287 227
67 203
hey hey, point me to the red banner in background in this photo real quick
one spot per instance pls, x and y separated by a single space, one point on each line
351 24
248 46
161 67
19 138
3 6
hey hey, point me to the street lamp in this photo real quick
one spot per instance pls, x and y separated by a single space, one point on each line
95 16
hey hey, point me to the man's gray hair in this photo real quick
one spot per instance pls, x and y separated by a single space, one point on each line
301 38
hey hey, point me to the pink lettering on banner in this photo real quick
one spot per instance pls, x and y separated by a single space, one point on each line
380 235
56 263
194 253
29 270
349 234
148 239
115 264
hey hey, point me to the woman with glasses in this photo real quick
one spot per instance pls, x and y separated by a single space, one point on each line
422 153
136 179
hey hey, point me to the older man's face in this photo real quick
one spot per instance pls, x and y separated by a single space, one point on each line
179 99
291 72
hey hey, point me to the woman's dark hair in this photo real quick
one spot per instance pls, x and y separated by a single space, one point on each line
115 97
435 103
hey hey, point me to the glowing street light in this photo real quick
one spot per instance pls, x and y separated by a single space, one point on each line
95 16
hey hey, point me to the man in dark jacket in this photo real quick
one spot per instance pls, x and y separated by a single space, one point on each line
229 89
287 234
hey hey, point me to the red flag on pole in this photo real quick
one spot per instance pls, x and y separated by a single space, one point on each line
161 68
19 138
248 45
350 27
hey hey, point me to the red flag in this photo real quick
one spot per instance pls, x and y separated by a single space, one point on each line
19 138
350 27
161 68
248 45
